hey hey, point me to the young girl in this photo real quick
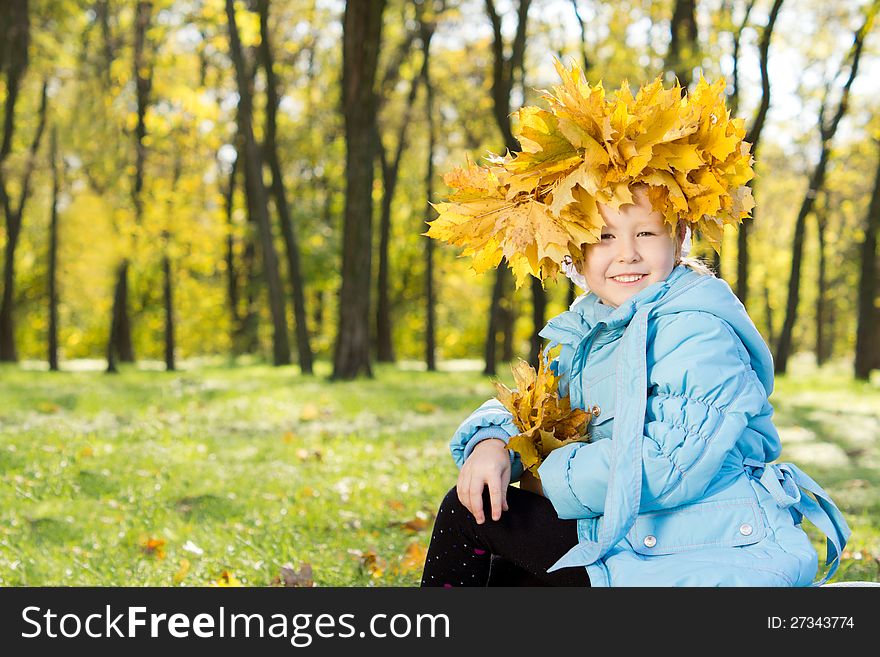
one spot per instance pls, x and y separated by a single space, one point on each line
676 486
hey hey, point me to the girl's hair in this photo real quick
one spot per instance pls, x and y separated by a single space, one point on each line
694 263
697 265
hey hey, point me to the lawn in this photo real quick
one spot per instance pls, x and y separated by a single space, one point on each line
253 474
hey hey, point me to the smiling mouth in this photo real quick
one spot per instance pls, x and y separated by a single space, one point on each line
628 279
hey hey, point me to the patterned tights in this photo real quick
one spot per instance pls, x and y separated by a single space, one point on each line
513 551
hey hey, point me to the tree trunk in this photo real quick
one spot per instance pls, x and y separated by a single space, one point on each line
821 339
257 198
120 295
232 294
318 310
539 314
8 351
249 336
783 347
168 286
683 48
288 232
754 138
390 170
53 255
143 77
430 213
771 334
867 355
586 64
817 179
504 73
495 320
14 44
15 216
362 34
168 291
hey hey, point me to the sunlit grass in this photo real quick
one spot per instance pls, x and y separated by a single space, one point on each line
245 469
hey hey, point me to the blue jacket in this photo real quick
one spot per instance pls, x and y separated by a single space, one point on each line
677 486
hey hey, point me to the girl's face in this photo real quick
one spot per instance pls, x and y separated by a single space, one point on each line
635 251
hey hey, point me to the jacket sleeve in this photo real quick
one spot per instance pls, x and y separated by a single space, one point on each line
702 394
490 420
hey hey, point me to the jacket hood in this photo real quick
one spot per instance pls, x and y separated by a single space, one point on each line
704 294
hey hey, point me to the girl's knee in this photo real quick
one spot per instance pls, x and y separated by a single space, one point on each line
451 501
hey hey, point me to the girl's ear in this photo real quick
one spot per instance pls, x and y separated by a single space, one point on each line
680 234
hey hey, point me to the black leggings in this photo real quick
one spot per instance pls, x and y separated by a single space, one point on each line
516 550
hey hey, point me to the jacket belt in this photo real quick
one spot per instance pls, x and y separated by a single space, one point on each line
784 482
625 473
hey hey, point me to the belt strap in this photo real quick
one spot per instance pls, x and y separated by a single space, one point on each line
784 481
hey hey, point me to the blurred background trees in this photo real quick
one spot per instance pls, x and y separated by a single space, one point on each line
252 178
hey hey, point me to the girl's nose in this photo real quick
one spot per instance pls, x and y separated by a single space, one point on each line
626 250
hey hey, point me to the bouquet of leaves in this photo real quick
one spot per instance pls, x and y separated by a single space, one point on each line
546 420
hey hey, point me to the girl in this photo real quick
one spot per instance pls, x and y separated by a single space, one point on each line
676 486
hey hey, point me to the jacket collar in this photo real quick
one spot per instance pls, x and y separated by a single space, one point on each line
571 326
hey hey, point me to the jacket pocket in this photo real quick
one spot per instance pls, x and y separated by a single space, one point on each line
602 426
724 523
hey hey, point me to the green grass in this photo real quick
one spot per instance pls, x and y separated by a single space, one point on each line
258 467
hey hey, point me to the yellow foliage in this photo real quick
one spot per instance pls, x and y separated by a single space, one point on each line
545 419
536 206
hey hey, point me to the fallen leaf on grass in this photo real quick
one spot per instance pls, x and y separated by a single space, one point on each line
295 578
154 546
413 558
288 437
309 412
370 562
182 571
425 407
306 454
226 579
421 522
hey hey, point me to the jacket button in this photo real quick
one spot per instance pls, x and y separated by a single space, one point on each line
595 411
650 541
745 529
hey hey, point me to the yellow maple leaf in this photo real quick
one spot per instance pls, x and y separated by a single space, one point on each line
546 421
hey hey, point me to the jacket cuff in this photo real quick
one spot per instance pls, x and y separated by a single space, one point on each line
484 434
555 482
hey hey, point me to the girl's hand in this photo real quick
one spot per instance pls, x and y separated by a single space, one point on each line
488 465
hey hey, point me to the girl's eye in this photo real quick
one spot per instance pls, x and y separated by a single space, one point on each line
644 232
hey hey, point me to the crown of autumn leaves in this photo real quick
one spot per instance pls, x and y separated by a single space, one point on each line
539 205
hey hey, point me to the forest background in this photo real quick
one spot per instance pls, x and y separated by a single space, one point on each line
199 183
